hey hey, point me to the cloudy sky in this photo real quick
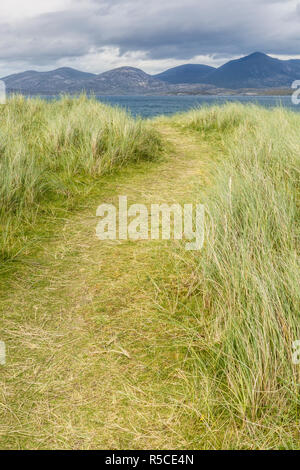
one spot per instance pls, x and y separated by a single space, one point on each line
97 35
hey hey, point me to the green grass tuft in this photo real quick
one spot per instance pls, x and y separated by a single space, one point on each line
249 271
51 152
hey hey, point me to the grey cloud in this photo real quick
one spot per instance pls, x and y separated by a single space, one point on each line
169 29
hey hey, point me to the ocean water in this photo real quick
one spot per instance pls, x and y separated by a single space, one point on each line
151 106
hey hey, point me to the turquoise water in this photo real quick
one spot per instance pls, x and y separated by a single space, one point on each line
151 106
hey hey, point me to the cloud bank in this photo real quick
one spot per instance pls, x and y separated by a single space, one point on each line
96 35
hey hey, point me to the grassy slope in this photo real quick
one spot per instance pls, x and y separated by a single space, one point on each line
184 350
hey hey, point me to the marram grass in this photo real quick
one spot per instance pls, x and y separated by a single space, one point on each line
234 318
248 275
50 151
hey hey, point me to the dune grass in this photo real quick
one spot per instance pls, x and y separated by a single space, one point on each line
248 308
51 154
91 363
184 349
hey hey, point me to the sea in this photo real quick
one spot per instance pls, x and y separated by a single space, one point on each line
152 106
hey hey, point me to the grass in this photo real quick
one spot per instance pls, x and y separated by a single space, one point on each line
144 345
90 361
248 275
52 154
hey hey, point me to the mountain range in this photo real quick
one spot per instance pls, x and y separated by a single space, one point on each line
188 73
255 71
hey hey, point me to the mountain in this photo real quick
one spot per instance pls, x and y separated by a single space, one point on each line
256 70
55 81
125 80
189 73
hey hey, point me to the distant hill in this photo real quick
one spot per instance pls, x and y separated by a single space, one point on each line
125 80
189 73
256 70
55 81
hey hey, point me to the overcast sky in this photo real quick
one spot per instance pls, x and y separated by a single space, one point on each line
97 35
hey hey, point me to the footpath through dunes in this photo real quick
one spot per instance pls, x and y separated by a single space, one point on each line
95 358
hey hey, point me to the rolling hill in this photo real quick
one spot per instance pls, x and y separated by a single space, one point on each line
125 80
255 71
189 73
55 81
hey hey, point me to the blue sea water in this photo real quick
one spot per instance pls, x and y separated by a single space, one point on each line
151 106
